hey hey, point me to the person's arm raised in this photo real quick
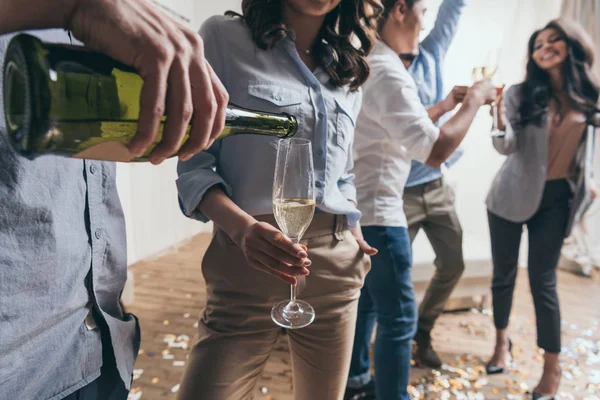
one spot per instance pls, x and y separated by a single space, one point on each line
454 131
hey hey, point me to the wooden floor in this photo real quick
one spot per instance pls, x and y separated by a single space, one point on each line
169 294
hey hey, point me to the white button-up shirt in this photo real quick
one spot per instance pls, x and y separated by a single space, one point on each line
273 80
393 129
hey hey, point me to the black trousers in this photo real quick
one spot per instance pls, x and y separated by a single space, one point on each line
546 229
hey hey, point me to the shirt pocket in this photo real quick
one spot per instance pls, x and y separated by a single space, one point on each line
278 97
344 123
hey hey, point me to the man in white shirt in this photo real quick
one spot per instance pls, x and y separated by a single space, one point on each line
393 129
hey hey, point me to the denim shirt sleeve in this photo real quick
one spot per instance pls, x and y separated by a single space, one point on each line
346 182
195 177
454 157
446 24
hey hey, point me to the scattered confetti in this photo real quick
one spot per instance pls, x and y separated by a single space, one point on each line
135 394
140 352
155 381
178 363
195 324
465 377
264 390
188 295
166 322
137 373
186 315
177 342
175 388
167 354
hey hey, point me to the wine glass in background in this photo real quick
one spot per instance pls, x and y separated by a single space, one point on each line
294 208
489 70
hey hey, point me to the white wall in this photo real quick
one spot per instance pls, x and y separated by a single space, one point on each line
485 24
148 194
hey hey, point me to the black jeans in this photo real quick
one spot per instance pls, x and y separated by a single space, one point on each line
546 229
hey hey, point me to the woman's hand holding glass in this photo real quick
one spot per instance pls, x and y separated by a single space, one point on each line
270 251
500 115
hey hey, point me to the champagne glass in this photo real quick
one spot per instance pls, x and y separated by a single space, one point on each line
294 208
489 70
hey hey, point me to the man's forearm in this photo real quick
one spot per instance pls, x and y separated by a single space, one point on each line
435 112
452 133
17 15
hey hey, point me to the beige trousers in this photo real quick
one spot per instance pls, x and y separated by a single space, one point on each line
430 207
236 335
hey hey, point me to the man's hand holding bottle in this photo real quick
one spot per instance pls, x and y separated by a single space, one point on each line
165 53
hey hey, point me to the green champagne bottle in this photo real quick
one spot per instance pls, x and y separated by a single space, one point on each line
66 100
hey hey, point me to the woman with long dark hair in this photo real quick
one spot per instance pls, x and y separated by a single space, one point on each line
544 184
306 58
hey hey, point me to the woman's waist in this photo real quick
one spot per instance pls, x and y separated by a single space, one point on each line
322 224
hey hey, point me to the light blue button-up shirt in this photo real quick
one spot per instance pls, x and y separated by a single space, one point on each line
427 71
273 80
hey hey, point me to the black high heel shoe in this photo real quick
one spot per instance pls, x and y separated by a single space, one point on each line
493 369
538 396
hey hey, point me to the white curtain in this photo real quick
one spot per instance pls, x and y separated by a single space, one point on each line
582 250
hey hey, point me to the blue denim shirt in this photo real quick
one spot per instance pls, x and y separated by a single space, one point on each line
273 80
62 253
427 70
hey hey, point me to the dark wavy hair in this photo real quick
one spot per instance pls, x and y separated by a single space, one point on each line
350 20
580 83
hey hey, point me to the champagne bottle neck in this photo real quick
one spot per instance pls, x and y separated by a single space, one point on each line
239 120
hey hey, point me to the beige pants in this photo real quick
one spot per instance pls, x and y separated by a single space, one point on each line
430 207
236 334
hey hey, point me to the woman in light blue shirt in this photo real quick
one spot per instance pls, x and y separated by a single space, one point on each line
293 56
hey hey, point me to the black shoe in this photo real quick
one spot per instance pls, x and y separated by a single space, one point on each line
493 369
366 392
538 396
425 356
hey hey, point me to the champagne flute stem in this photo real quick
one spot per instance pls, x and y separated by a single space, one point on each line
494 117
293 294
293 287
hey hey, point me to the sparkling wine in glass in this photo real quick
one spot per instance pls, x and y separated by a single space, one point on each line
294 208
489 71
